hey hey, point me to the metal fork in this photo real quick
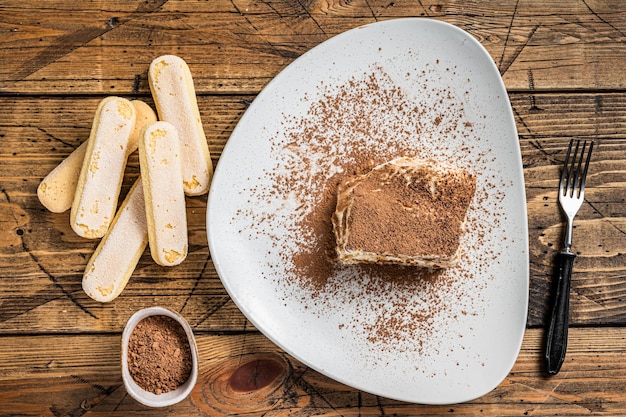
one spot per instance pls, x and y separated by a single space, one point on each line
571 196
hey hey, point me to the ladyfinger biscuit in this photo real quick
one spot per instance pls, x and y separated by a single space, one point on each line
160 165
101 174
56 191
118 253
175 98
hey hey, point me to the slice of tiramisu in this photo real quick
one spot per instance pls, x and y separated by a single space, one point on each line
406 211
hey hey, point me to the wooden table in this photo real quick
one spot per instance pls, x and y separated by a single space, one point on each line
563 64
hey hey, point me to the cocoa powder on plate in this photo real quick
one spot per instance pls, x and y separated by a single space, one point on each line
350 128
159 354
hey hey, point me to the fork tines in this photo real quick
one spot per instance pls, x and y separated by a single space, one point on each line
574 174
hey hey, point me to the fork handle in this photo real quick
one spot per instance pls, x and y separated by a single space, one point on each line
556 343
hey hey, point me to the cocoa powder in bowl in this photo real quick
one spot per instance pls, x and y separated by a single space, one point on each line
159 355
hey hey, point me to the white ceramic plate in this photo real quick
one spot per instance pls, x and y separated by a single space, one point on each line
407 87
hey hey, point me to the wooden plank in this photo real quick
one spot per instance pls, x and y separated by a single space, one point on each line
236 47
76 374
43 259
597 287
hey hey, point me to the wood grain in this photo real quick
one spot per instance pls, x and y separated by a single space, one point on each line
236 47
249 374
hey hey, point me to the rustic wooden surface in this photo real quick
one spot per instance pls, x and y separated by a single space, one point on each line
562 63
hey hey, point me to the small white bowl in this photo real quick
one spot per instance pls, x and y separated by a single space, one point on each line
146 397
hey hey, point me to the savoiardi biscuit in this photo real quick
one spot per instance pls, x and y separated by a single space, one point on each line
160 164
174 94
102 171
114 260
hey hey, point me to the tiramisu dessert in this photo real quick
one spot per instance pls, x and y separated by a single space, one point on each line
407 211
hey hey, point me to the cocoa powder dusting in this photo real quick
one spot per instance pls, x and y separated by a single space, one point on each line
159 355
403 210
348 130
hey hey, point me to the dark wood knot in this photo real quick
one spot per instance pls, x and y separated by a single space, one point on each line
255 374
